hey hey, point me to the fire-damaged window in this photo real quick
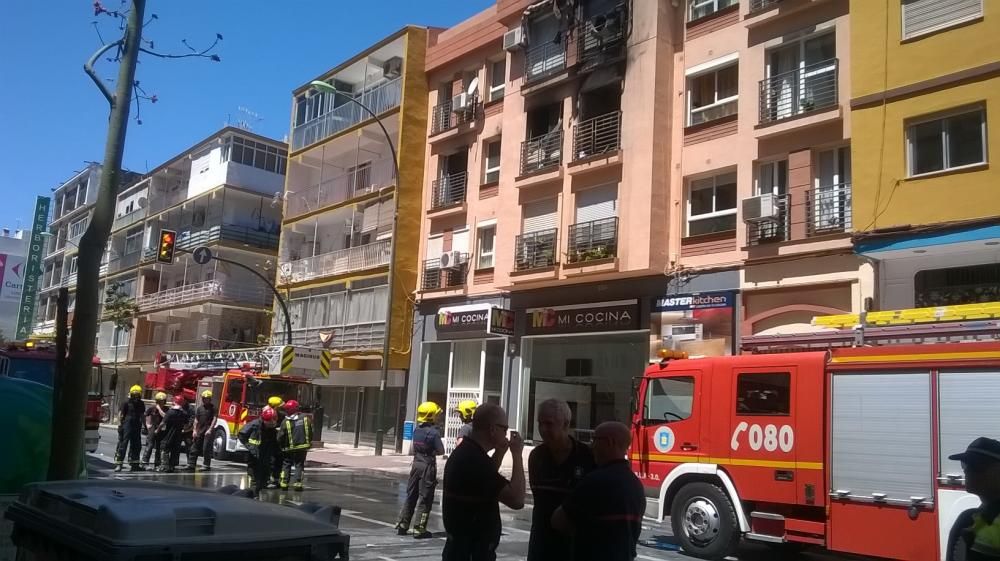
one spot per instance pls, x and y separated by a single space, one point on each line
957 285
763 394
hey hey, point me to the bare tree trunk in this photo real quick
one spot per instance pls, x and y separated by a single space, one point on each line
68 412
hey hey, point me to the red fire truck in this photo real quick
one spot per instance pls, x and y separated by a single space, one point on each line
241 381
843 448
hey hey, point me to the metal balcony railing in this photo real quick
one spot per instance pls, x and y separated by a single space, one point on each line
212 290
76 231
126 220
126 261
188 241
166 196
366 178
590 241
536 250
792 93
828 209
69 280
777 229
354 337
597 135
435 278
379 99
758 5
602 36
444 116
448 190
541 152
544 60
349 260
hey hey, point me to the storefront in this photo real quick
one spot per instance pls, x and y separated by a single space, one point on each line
701 324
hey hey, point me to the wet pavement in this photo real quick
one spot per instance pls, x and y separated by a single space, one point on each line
370 504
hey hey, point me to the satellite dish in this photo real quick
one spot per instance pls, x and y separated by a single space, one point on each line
473 86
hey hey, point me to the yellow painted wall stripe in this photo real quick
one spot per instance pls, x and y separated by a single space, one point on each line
916 357
747 462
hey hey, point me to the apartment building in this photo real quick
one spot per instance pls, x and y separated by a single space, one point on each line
925 101
337 237
546 216
224 193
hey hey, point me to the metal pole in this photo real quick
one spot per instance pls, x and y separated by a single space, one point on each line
281 301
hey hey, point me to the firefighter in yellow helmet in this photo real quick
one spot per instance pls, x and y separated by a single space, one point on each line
130 420
465 411
202 441
277 457
427 445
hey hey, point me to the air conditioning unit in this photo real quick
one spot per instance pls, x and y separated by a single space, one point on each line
461 102
392 68
513 39
452 260
761 208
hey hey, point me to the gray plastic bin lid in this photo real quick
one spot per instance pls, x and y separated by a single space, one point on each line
125 520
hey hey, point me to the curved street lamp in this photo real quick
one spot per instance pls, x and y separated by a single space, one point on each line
324 87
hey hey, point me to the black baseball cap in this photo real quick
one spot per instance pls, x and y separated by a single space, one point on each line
980 449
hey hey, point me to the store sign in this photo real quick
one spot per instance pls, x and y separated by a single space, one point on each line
699 323
32 269
584 318
701 301
464 320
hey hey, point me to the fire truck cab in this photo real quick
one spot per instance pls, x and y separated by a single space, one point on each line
844 449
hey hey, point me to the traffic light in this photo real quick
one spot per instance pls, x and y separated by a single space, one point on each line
166 252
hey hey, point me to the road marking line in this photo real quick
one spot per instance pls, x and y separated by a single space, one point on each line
369 499
384 558
353 514
647 557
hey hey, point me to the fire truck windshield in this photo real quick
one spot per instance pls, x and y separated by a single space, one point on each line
285 389
36 369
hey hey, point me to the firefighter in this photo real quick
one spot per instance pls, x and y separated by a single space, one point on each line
154 434
204 423
187 434
427 445
278 458
130 422
260 436
295 436
981 464
466 409
173 432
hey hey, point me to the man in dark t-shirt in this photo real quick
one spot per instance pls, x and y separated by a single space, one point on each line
473 486
604 513
204 424
555 468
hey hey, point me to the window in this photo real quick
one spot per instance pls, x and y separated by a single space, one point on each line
492 159
713 95
256 154
927 16
498 78
971 284
947 142
702 8
772 177
234 391
71 270
764 394
485 239
133 241
712 205
669 399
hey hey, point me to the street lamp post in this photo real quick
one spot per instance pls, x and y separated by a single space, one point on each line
386 347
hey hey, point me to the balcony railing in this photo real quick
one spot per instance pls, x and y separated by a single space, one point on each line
792 93
188 241
354 337
597 135
541 152
69 280
126 261
602 36
448 190
350 260
76 231
777 229
544 60
536 250
204 291
590 241
828 209
444 116
379 99
758 5
129 219
435 278
365 179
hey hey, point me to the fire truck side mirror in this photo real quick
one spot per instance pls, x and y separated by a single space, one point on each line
114 382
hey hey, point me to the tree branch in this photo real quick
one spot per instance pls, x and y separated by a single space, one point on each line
89 69
188 55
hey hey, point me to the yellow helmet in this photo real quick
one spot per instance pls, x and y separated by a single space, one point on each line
160 396
207 394
466 409
427 412
275 402
135 390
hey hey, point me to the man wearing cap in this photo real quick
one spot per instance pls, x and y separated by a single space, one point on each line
204 423
981 464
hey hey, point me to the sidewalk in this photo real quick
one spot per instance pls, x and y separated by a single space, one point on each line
390 464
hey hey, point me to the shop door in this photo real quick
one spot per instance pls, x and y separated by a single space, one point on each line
672 432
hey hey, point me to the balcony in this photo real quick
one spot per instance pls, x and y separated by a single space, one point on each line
126 220
805 214
448 190
367 178
357 337
541 152
444 116
810 88
597 135
593 241
126 261
541 61
436 278
76 231
69 280
760 5
379 99
189 241
342 261
828 209
601 38
536 250
230 292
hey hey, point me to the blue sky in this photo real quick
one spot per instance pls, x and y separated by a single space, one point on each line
53 119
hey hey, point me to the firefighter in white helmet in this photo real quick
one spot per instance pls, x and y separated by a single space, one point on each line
427 445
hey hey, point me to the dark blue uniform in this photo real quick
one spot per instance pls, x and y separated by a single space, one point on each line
606 511
427 445
470 508
130 432
551 484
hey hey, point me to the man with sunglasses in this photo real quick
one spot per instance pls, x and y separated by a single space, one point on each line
981 464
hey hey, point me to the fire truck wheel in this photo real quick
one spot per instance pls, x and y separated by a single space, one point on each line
219 444
704 521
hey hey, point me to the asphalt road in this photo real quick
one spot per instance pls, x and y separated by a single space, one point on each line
370 506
